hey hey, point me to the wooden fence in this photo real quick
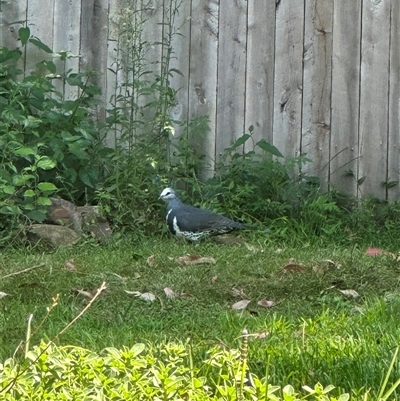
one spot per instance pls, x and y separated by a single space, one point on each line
314 77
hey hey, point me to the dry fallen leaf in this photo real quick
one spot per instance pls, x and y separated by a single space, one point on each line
186 295
70 265
146 296
266 304
2 294
350 293
260 336
374 252
214 278
169 293
150 260
241 304
85 293
195 260
318 270
333 263
294 268
238 292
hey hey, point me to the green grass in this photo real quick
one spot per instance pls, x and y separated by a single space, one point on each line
315 333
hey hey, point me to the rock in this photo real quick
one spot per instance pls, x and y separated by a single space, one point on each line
82 219
64 213
53 234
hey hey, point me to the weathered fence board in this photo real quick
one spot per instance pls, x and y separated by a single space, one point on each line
314 77
12 16
67 30
231 73
113 66
317 78
259 107
345 95
393 192
374 97
288 77
203 74
94 27
40 17
180 62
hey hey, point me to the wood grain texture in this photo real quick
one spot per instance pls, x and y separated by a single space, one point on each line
259 102
12 12
114 67
374 97
66 37
393 193
180 62
317 78
203 62
288 87
231 74
41 22
346 61
94 57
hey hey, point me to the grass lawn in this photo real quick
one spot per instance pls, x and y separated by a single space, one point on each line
313 333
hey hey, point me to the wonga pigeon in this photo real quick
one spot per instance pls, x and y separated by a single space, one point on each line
193 223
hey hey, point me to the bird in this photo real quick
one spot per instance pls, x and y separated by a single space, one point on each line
193 223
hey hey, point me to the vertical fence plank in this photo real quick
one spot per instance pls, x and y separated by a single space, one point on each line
231 73
203 65
152 12
180 62
41 22
393 193
345 96
288 76
67 24
374 97
11 12
259 108
317 76
93 46
113 65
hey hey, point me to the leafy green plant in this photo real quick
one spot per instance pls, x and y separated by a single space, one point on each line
142 126
48 144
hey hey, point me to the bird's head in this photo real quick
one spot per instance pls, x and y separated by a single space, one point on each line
167 195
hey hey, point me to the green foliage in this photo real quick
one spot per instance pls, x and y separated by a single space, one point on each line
48 144
140 373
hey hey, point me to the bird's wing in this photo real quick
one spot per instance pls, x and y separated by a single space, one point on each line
190 218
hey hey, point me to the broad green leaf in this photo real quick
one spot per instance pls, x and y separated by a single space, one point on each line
7 189
38 43
45 163
29 193
19 180
42 200
47 186
37 215
240 141
84 176
10 210
24 151
24 34
264 145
